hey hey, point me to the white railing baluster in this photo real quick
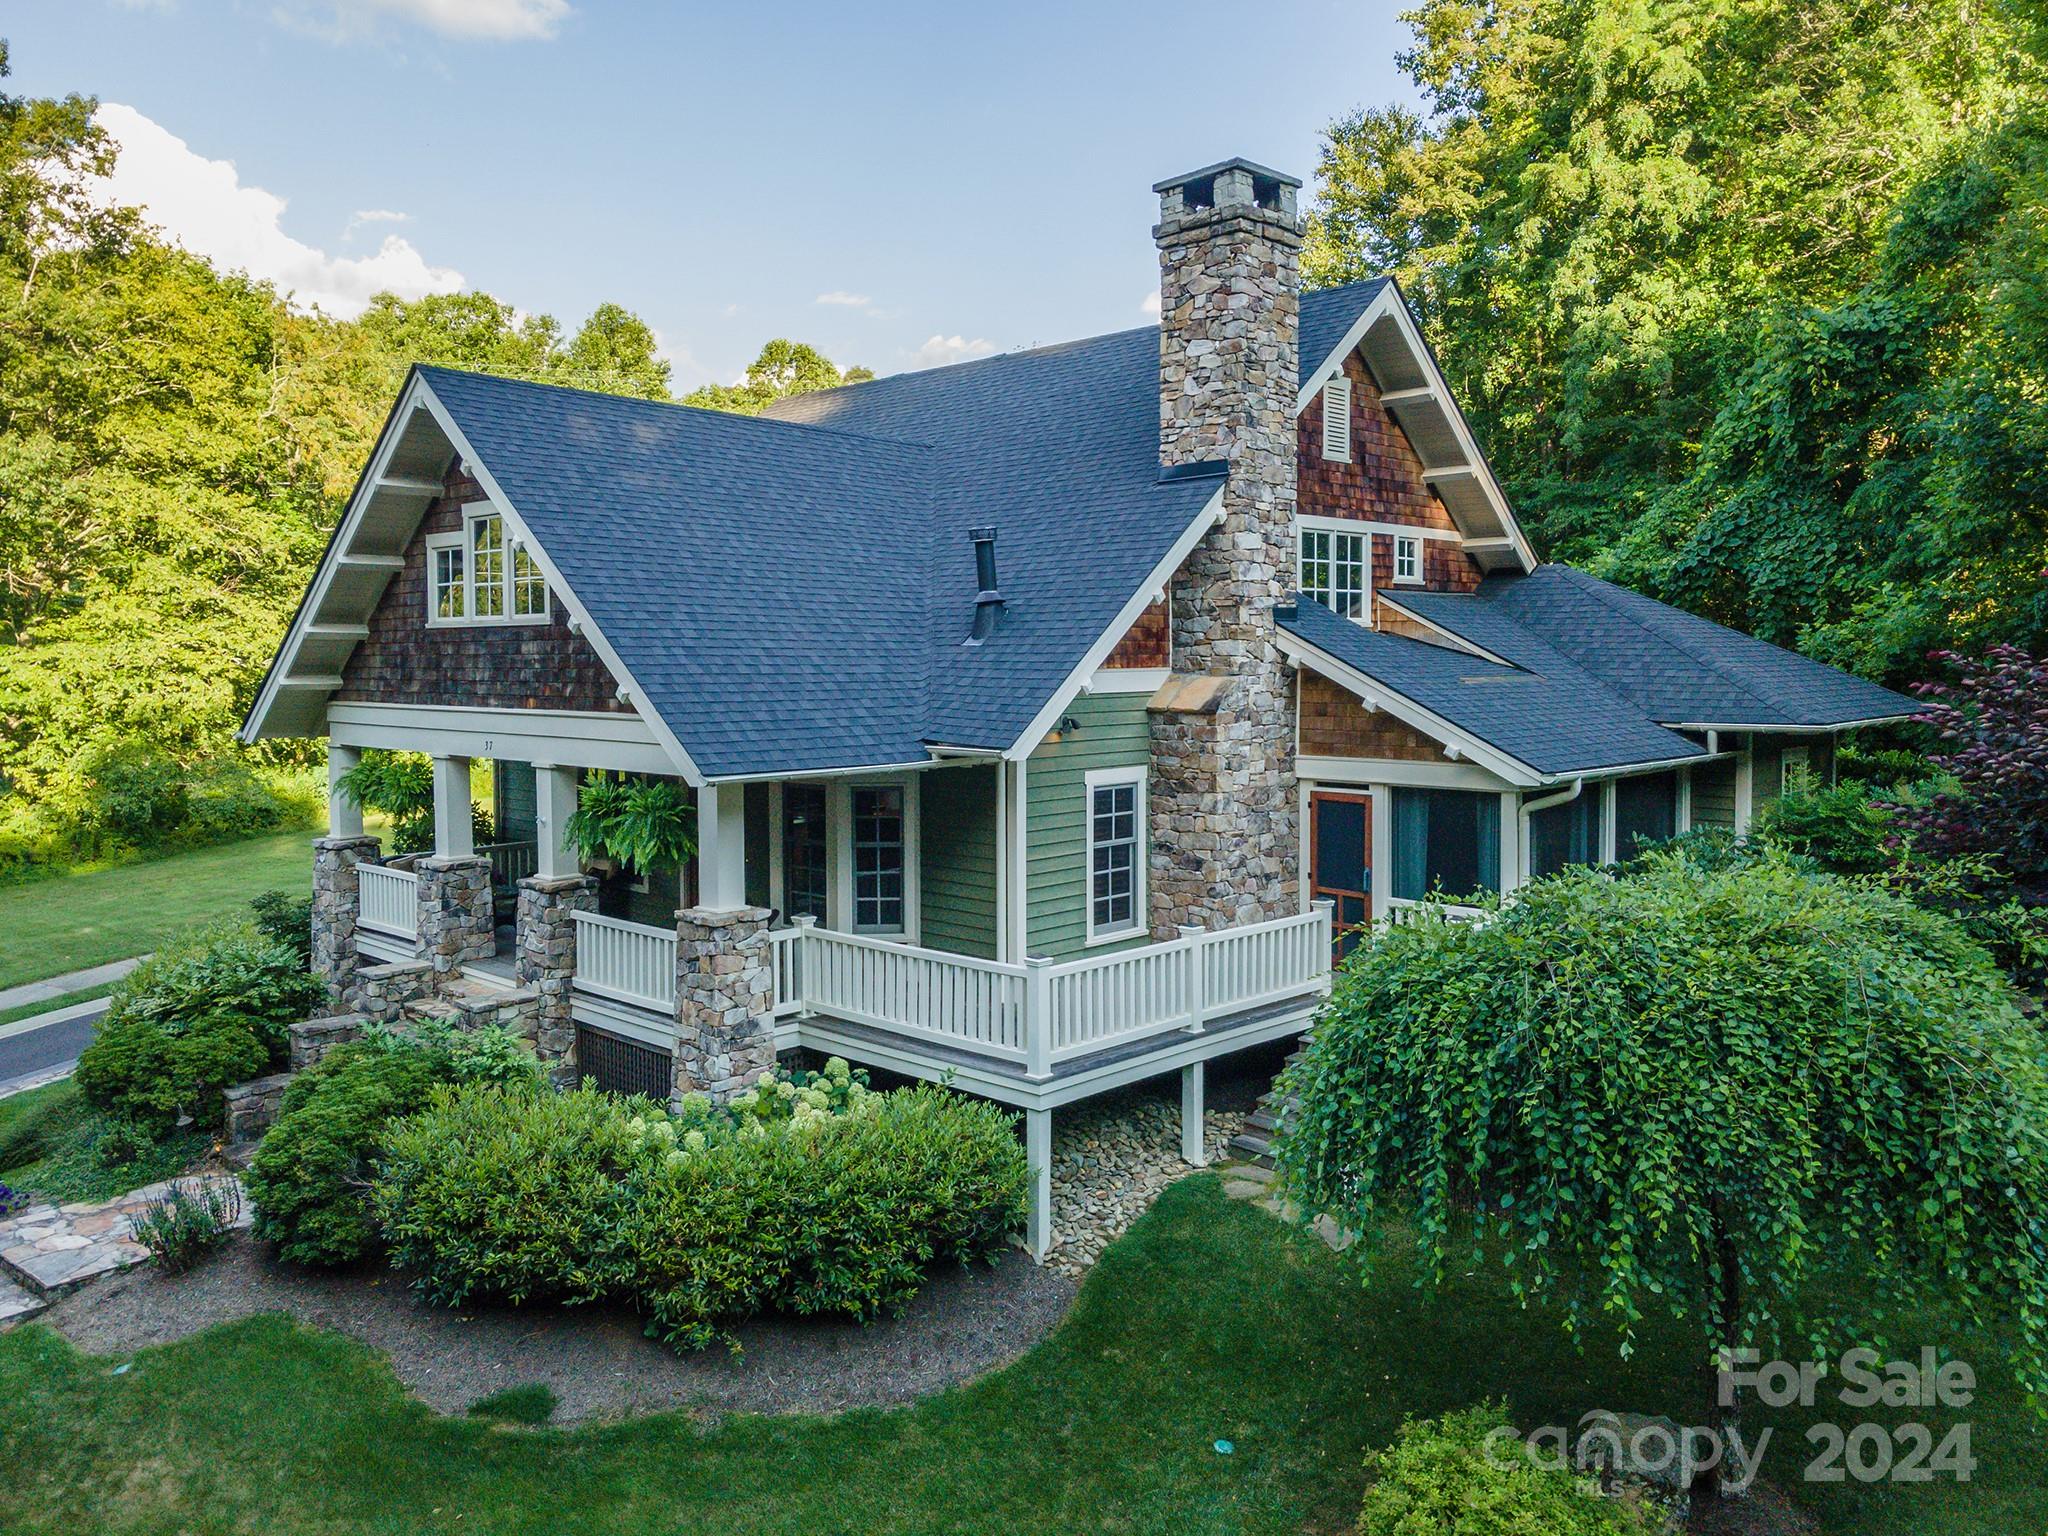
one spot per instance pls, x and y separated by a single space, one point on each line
389 900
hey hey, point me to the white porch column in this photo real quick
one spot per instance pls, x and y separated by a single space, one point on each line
554 799
453 838
1191 1115
1038 1152
721 847
344 816
1745 787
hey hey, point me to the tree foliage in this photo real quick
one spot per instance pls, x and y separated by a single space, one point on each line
1721 1092
784 368
1759 283
1994 721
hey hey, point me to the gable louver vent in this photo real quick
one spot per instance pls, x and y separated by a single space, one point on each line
1337 419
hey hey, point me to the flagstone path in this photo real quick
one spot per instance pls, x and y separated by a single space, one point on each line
46 1250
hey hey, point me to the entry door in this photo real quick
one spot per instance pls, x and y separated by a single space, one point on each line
1340 860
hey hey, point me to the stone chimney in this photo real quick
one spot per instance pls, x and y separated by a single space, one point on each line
1226 838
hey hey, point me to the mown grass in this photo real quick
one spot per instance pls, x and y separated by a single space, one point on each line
1209 1321
72 922
51 1146
52 1004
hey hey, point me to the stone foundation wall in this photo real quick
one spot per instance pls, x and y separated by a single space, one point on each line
456 919
252 1107
337 904
381 992
724 990
545 958
312 1039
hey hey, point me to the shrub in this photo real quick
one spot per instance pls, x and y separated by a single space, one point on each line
510 1195
310 1180
702 1219
227 798
286 921
1994 721
1719 1094
137 794
235 970
188 1222
1841 828
1438 1477
149 1072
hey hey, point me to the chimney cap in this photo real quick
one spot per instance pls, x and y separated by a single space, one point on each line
1237 163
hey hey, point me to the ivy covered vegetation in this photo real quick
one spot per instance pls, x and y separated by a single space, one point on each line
1734 1093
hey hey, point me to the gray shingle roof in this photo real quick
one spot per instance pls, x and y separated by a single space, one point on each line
1554 718
791 590
1672 665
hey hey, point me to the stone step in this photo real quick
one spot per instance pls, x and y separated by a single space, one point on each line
18 1303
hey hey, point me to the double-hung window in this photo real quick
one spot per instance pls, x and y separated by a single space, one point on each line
1116 853
878 859
1336 570
481 575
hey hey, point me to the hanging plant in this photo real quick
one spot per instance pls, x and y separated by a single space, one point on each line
638 824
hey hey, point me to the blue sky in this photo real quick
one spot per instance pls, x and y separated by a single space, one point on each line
956 177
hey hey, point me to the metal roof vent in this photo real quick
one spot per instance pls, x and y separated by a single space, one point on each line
988 602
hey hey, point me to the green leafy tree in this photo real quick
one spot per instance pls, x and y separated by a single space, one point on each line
784 368
1776 1104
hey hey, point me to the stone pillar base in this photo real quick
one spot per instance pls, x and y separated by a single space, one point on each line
545 957
725 987
456 920
337 905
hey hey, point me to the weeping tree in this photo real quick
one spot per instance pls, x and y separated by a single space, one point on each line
1725 1093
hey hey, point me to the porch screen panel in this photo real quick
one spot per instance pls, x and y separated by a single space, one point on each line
878 860
1561 835
1645 812
1445 840
803 850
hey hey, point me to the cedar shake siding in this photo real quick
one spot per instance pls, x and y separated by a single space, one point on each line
1146 644
1335 724
462 666
1383 483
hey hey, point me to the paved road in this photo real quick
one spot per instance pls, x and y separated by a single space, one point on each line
46 1049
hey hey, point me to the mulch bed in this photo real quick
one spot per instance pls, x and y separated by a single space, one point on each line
596 1360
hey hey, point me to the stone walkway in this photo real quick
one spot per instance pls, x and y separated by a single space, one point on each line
46 1250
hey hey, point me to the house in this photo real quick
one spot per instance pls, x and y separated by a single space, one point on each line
1048 717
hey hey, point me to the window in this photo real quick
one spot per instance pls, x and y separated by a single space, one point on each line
1645 812
1116 854
1565 834
1445 840
445 567
481 576
1408 558
1336 571
1794 765
878 860
803 850
1337 419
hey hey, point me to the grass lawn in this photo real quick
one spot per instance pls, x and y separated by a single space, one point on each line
1209 1321
70 922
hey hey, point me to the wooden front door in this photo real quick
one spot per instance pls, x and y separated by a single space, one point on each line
1340 860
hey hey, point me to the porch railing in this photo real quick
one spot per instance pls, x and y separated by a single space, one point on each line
510 862
1038 1015
390 900
627 962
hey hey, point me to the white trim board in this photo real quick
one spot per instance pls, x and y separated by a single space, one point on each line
562 738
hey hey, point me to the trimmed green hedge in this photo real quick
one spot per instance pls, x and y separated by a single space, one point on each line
1439 1477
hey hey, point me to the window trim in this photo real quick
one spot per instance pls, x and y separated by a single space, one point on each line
1333 530
906 841
463 538
1337 419
1412 544
1138 775
1787 762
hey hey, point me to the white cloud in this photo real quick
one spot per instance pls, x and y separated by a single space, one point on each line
203 206
841 296
342 21
940 350
364 216
1150 304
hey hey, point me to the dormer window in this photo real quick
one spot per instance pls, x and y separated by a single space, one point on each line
479 574
1337 419
1408 559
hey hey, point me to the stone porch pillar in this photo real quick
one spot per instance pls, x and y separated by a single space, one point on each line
337 903
725 984
456 920
545 957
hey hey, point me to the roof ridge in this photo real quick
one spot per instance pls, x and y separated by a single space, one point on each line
425 369
1599 589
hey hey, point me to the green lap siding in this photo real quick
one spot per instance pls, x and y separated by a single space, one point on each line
957 860
1113 732
1713 794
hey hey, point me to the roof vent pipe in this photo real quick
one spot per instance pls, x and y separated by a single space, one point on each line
988 602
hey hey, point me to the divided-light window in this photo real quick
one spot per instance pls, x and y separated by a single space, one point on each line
1336 570
1116 856
481 575
1408 558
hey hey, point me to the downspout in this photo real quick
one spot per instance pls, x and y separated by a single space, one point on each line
1530 808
